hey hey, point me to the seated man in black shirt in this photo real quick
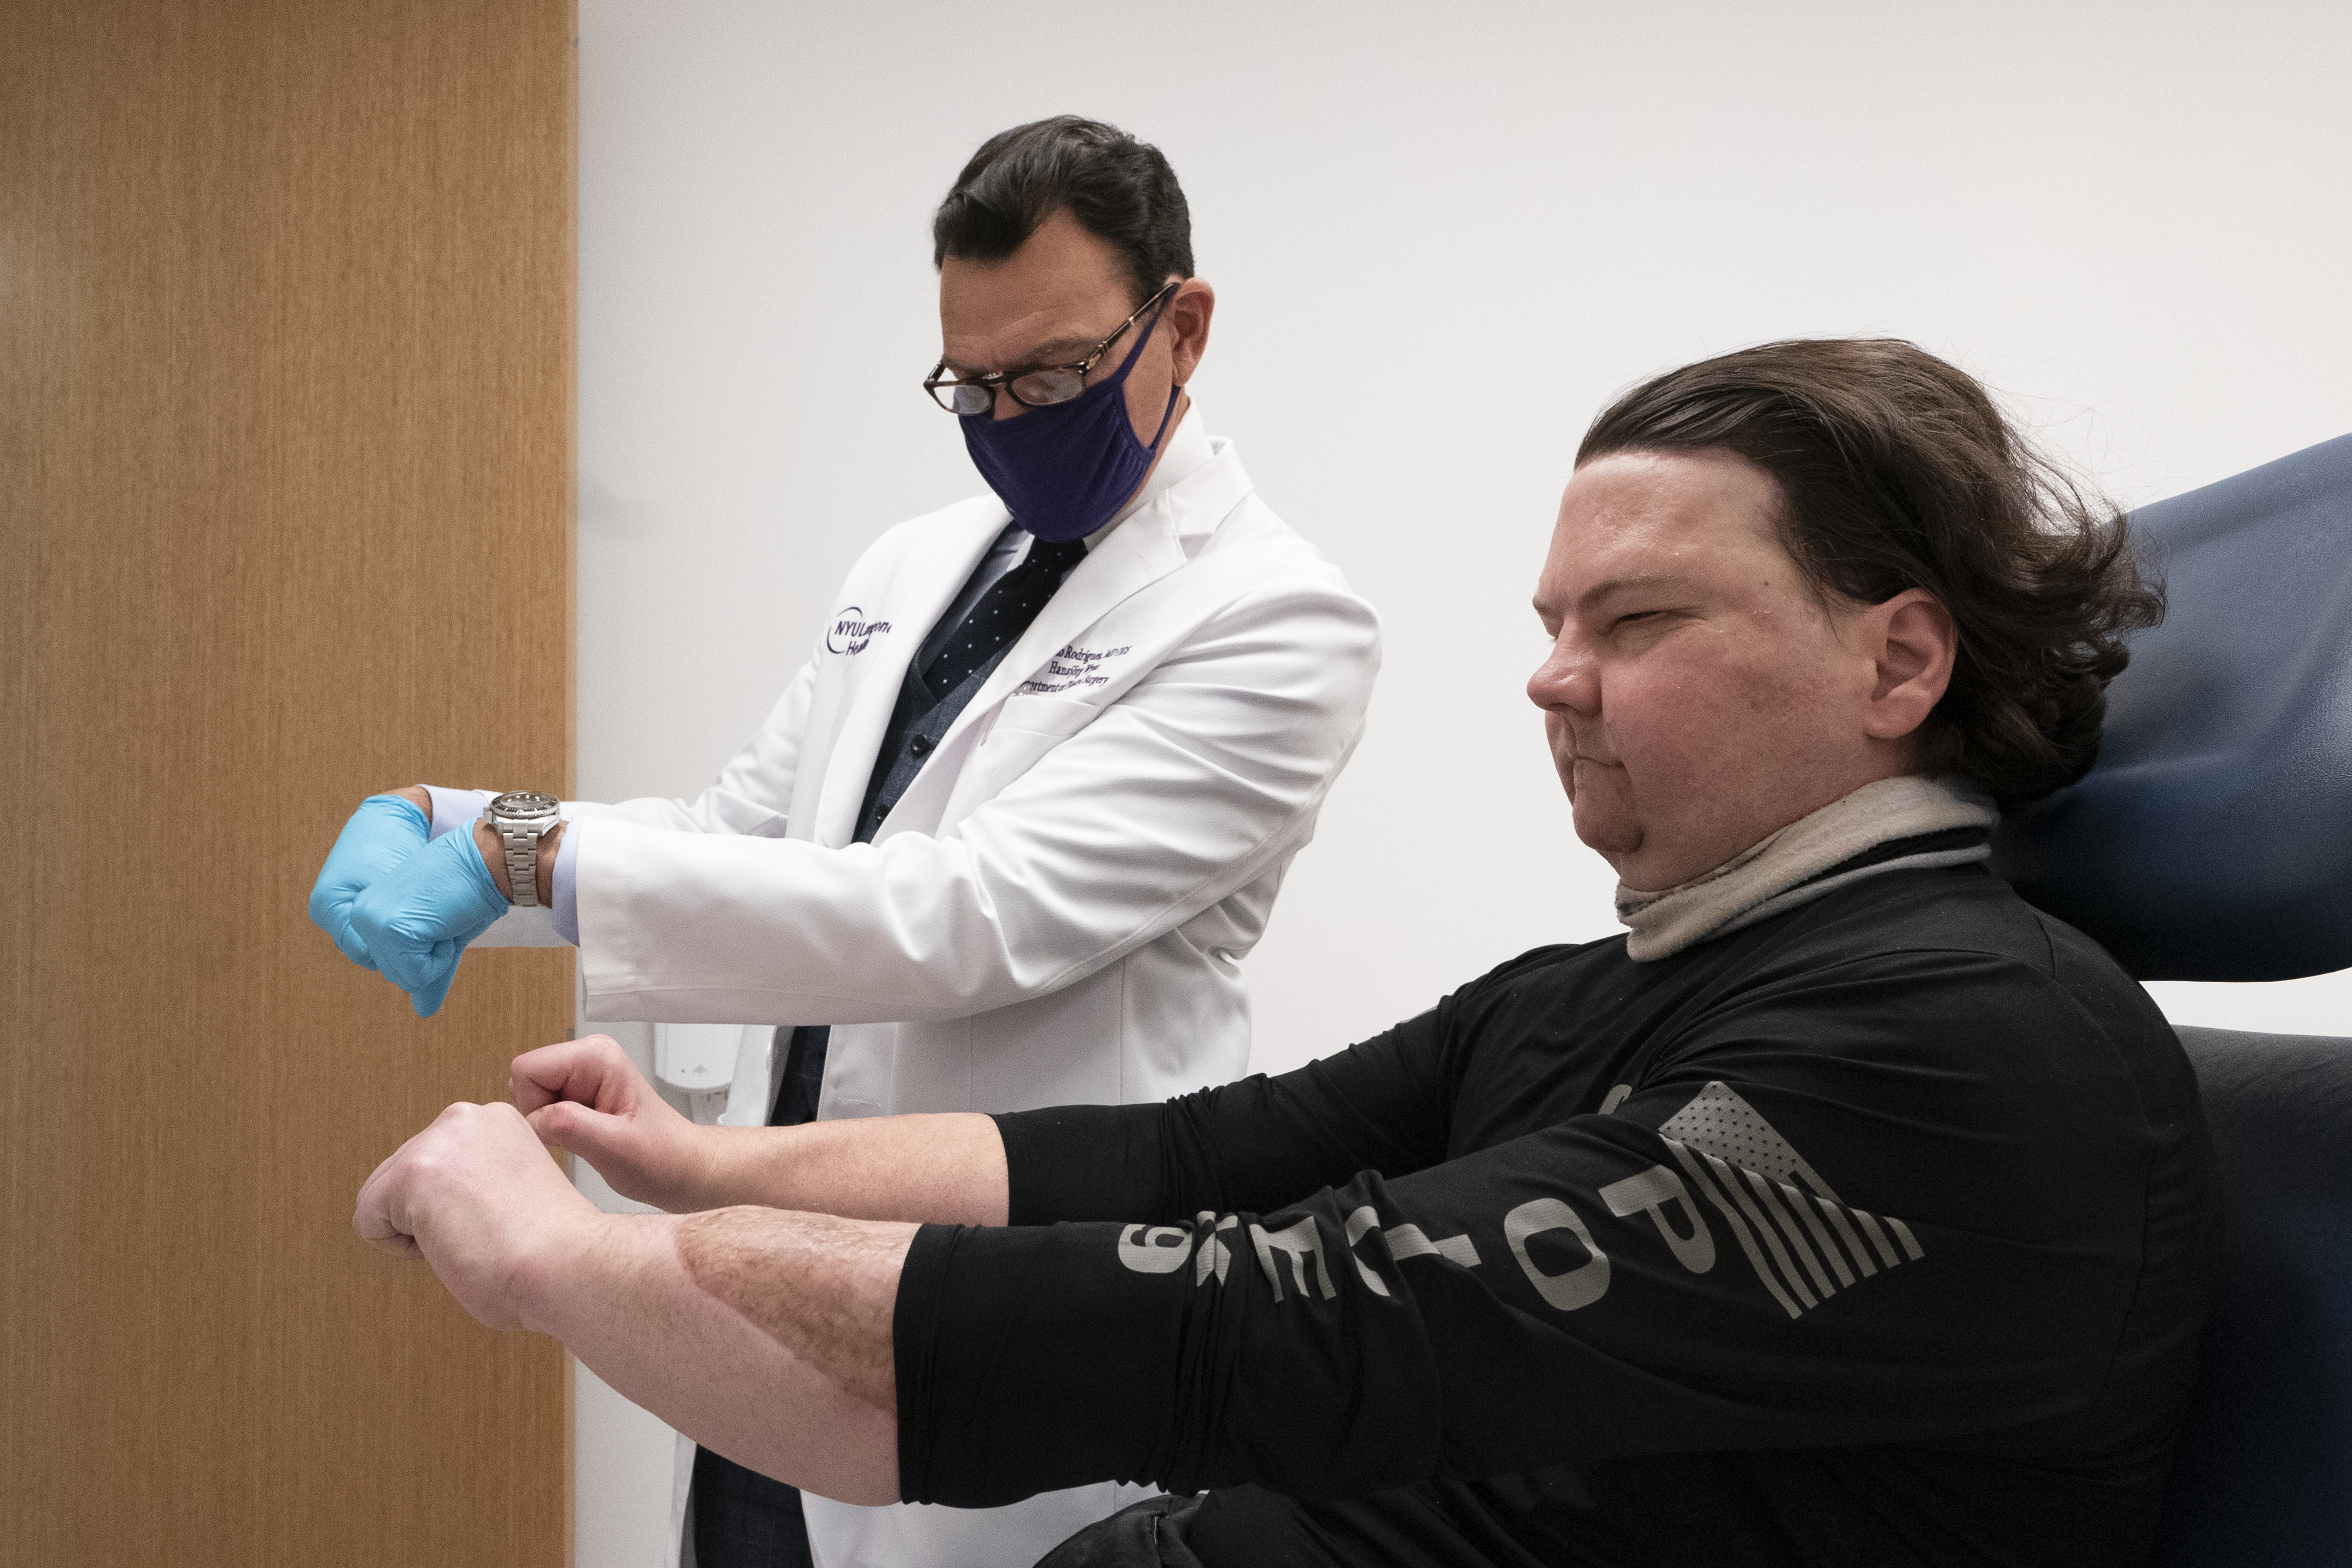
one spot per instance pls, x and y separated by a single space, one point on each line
1847 1211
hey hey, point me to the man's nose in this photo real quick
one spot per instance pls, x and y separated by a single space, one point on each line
1006 406
1568 679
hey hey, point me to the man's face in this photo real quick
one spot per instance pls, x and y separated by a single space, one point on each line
1051 301
1698 696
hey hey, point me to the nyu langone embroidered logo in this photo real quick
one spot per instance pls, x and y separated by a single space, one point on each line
851 631
1800 1242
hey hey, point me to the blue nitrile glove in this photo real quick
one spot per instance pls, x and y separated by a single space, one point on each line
384 831
417 921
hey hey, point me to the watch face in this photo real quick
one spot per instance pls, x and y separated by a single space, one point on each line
525 802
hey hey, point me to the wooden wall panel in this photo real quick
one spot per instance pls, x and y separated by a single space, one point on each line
286 375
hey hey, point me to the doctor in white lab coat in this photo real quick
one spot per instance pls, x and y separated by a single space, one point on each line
1056 910
1070 849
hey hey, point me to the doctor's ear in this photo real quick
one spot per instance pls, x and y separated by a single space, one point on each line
1187 325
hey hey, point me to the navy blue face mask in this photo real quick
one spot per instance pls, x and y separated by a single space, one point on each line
1064 469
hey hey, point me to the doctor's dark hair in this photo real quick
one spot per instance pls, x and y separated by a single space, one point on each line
1120 189
1896 471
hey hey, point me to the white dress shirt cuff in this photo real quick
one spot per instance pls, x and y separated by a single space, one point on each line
566 900
456 808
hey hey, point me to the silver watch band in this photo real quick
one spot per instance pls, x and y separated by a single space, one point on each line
521 818
521 841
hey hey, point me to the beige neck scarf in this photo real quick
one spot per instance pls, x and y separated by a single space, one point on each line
1894 825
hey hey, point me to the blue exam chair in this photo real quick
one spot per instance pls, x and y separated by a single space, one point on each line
2213 841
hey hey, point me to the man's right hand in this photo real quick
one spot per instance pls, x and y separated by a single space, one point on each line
587 1096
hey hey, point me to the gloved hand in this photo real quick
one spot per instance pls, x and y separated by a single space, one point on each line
384 831
416 922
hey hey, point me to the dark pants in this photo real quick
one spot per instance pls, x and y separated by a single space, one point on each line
742 1518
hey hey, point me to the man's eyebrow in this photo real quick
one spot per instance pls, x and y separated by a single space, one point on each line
1045 356
1648 582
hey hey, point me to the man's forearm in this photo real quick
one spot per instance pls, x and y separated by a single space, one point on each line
587 1096
942 1170
765 1336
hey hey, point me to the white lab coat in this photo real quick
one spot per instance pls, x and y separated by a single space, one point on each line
1057 910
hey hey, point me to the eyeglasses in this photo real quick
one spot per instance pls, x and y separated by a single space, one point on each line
1036 388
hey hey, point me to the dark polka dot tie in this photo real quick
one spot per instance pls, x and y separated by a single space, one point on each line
1003 612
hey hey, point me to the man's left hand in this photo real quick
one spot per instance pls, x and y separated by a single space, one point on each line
476 1195
587 1097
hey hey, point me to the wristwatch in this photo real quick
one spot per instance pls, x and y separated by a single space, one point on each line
521 818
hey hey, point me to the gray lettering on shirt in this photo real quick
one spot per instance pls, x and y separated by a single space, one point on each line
1651 1192
1214 1257
1302 1243
1578 1286
1408 1241
1364 1219
1156 1248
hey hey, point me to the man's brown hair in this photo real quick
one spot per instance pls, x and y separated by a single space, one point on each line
1117 188
1896 471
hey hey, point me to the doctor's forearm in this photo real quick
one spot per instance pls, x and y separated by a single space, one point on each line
944 1170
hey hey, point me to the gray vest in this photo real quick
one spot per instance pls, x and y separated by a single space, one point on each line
916 725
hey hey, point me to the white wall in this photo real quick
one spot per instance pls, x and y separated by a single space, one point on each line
1442 237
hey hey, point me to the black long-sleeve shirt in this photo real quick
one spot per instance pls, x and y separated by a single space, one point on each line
1878 1231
